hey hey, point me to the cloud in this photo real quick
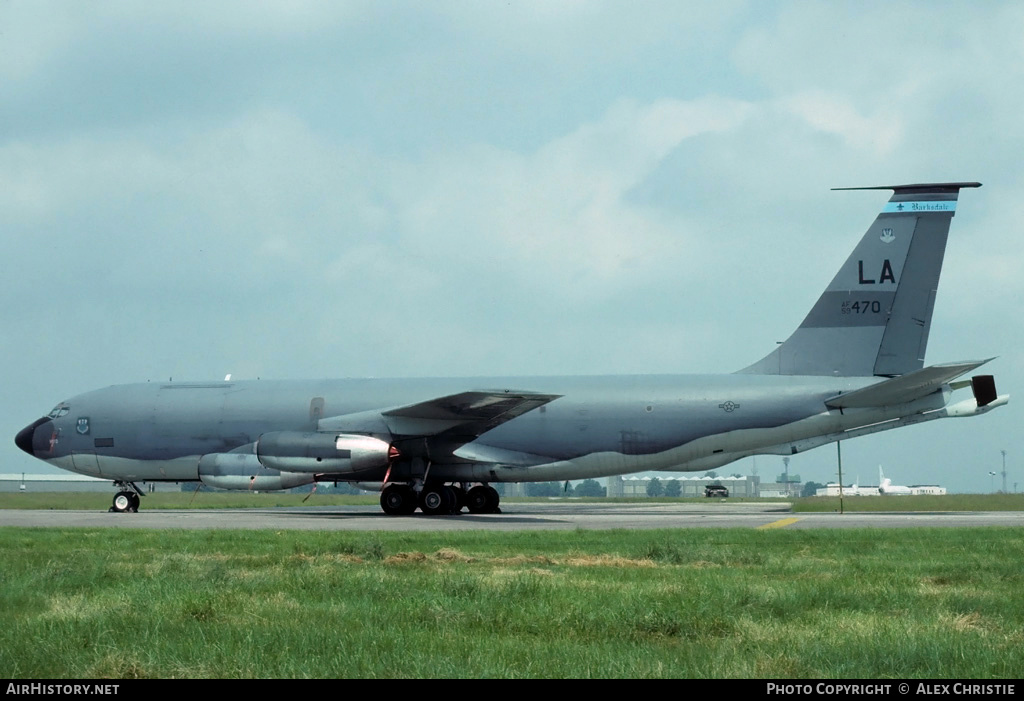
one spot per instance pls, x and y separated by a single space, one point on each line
272 222
880 133
561 212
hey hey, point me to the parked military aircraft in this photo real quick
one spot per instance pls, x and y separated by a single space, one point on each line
853 367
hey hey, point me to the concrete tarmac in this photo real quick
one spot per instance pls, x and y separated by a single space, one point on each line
514 517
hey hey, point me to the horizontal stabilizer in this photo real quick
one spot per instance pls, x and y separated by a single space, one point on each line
905 388
917 187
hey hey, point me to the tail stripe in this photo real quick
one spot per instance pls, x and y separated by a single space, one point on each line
914 207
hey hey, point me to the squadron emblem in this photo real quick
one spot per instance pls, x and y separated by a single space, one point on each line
82 426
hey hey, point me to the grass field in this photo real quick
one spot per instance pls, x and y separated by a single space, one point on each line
932 603
945 502
239 500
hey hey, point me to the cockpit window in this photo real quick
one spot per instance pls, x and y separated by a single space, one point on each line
60 410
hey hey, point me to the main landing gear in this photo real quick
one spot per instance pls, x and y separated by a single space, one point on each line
127 500
439 499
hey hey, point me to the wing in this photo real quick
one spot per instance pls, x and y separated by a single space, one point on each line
443 424
466 415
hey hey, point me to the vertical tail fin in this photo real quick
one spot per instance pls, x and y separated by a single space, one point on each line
875 315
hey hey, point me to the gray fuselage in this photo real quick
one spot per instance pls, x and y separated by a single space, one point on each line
597 426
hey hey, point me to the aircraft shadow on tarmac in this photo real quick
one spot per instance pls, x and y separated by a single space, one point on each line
416 518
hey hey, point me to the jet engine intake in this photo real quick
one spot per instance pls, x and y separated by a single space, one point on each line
318 453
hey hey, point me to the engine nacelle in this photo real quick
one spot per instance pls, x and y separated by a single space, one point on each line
244 471
319 453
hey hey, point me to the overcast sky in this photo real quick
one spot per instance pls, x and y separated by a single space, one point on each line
352 189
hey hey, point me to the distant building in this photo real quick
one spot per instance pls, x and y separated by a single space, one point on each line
780 490
514 489
933 489
849 490
832 490
28 482
619 486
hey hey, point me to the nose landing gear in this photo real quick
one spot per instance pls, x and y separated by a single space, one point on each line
127 500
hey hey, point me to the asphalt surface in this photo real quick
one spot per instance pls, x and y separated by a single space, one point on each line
514 517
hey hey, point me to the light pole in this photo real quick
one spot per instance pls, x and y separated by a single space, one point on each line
992 480
1004 470
839 460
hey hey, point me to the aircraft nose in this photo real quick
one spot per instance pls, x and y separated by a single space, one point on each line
26 438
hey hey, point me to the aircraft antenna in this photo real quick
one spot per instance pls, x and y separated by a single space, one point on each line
311 491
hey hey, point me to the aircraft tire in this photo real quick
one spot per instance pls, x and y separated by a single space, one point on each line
398 500
122 502
437 500
411 504
458 499
134 508
477 499
493 499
